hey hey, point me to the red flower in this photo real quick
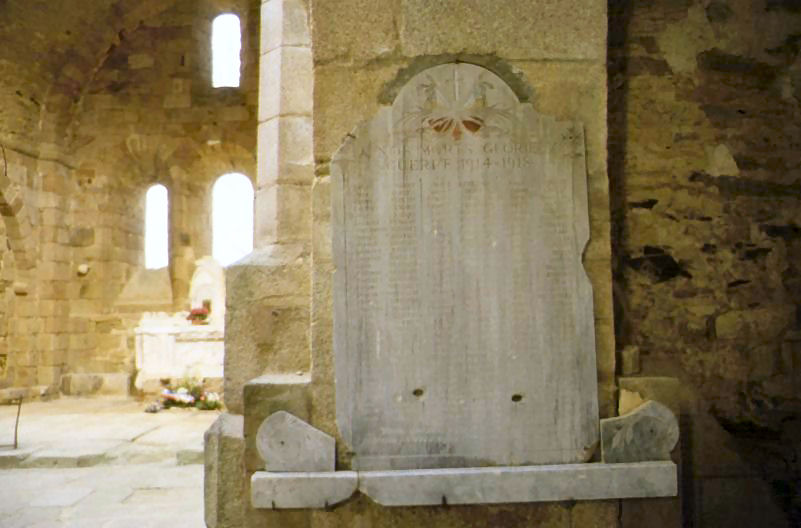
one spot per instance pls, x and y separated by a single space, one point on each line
197 313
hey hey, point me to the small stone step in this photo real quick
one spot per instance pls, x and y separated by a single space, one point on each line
91 454
13 458
10 394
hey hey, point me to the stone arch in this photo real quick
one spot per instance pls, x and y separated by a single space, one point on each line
232 196
189 174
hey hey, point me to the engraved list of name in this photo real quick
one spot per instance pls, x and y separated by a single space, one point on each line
459 296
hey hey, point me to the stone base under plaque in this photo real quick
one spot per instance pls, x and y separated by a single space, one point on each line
492 485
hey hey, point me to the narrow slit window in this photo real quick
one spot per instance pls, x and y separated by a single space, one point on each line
232 218
156 227
226 45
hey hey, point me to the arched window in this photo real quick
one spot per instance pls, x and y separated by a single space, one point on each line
226 44
232 218
156 227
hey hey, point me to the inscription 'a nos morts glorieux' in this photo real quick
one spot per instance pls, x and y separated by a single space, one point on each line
463 319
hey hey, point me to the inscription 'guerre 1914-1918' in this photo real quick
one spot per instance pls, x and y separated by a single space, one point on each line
463 319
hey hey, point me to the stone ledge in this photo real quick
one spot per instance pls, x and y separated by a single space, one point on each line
280 491
493 485
11 394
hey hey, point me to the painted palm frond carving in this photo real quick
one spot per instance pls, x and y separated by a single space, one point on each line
445 111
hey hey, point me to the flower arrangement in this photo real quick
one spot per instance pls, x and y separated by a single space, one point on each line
194 396
188 393
198 315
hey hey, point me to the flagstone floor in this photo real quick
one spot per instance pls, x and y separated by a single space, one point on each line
101 463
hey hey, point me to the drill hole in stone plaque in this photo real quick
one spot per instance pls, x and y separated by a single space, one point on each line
517 398
418 393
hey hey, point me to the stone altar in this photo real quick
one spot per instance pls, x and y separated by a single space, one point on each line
170 347
463 317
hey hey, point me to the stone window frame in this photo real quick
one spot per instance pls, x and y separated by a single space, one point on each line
165 258
214 234
220 58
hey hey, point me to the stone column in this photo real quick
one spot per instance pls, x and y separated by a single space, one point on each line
268 292
267 322
283 209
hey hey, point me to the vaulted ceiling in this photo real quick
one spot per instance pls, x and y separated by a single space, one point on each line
49 52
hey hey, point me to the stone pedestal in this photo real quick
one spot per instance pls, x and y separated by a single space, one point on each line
267 318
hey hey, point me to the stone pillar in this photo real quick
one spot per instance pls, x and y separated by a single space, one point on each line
285 162
268 292
267 318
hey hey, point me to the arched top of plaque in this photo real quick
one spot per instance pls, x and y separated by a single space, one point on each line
463 319
457 100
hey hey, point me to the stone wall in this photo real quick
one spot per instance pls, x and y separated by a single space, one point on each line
704 170
102 103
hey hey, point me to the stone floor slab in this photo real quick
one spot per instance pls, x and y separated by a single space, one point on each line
61 497
72 455
132 495
144 488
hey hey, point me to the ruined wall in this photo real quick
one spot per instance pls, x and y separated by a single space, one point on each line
105 100
705 124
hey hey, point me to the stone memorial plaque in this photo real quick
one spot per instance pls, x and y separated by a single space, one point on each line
463 318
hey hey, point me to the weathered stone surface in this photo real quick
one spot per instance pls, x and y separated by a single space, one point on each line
11 394
730 501
14 458
434 487
762 323
648 433
353 29
301 490
106 384
662 389
266 318
637 513
224 447
550 30
287 443
85 454
148 289
265 396
283 214
286 143
628 400
284 23
82 236
720 161
286 82
630 356
140 60
725 212
460 217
